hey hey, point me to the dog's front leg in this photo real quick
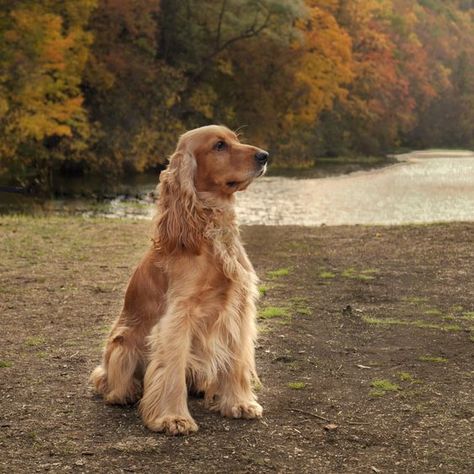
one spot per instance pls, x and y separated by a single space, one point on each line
164 403
235 395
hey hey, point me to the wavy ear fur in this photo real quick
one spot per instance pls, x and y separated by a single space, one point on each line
181 218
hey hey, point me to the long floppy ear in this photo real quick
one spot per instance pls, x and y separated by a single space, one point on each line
181 218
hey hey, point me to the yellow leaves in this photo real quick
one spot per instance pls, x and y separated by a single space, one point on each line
325 61
3 107
202 100
38 126
224 65
41 63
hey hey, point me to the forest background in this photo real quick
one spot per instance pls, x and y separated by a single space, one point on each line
106 86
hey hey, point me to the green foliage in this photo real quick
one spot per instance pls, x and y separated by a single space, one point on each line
382 386
273 274
437 360
271 312
107 87
296 385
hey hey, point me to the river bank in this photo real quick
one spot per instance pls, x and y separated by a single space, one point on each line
365 352
421 187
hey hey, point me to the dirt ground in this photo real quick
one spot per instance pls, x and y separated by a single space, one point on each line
365 353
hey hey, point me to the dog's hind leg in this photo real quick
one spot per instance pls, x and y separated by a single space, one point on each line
115 379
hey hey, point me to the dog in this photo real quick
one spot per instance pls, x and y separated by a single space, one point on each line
189 317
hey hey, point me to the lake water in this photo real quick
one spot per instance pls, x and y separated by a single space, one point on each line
430 186
425 187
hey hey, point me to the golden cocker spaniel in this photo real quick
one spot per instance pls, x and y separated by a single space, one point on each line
188 320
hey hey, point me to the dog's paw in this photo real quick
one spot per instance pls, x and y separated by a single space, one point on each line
98 379
117 397
126 395
247 410
173 425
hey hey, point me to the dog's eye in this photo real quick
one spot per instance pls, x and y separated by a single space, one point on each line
220 145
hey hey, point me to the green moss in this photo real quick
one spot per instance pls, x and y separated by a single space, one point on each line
273 312
433 312
437 360
262 289
349 273
468 315
5 364
326 275
296 385
365 274
382 386
405 376
416 323
377 393
280 272
299 299
257 385
35 341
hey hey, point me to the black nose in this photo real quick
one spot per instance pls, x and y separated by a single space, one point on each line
261 157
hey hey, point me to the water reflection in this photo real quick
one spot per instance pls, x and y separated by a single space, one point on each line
425 187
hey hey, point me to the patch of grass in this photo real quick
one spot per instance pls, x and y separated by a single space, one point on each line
457 309
262 289
271 312
5 364
382 386
416 299
41 355
300 305
349 273
280 272
416 323
296 385
433 312
450 327
365 274
468 315
436 360
299 299
405 377
257 385
34 341
326 275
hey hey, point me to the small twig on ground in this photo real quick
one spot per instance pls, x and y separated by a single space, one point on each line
309 413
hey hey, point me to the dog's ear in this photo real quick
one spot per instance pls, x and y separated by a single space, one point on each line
181 219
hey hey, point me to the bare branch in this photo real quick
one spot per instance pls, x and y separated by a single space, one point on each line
250 32
219 24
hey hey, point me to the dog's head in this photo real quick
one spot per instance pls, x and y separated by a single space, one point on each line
208 161
222 165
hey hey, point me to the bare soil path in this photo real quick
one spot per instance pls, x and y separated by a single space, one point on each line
365 353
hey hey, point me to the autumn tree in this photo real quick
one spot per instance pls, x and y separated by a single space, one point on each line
130 91
106 86
43 50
